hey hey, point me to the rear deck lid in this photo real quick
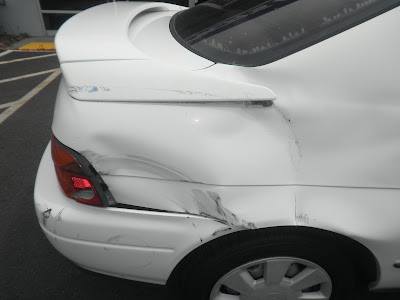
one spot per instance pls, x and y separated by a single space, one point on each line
124 51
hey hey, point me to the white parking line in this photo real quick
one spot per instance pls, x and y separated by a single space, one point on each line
26 58
28 75
6 104
5 53
17 104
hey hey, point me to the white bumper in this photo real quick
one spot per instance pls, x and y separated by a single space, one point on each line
139 245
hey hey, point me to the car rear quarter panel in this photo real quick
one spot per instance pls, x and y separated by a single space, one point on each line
325 155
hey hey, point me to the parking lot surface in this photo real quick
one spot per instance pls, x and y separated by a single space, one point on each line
30 268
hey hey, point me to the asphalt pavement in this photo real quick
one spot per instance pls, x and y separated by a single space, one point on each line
30 268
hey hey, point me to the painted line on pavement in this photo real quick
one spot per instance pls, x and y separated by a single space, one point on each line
26 58
34 51
28 75
17 104
39 46
5 53
6 104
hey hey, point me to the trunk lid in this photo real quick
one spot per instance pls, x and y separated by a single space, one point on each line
124 51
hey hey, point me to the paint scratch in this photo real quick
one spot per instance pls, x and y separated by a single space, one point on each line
88 89
210 205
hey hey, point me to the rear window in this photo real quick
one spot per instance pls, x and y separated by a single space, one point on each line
257 32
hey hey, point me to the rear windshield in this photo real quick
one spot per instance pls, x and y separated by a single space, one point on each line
256 32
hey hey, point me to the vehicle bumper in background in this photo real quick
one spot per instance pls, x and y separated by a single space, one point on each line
134 244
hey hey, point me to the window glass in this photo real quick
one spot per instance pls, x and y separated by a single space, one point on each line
256 32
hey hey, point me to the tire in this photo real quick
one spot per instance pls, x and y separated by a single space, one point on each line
234 267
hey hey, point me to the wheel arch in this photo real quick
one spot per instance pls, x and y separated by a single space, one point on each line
364 260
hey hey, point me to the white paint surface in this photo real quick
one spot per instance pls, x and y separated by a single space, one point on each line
134 244
111 20
325 155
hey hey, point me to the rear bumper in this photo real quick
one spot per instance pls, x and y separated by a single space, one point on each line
133 244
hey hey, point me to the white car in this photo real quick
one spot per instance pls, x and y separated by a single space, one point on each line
240 149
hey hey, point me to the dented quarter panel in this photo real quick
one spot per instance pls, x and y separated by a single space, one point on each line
180 142
325 154
343 113
226 204
340 98
323 129
135 244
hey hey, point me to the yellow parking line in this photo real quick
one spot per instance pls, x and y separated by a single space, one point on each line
38 46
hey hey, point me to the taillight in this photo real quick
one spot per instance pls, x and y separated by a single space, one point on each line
77 181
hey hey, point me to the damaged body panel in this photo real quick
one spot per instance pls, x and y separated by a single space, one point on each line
227 204
193 150
143 245
211 137
303 138
154 83
339 114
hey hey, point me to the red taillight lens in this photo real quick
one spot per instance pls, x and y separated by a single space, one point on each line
73 180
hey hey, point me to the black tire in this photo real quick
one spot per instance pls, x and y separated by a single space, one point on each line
202 270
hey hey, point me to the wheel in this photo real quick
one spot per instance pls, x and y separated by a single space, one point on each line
259 266
274 278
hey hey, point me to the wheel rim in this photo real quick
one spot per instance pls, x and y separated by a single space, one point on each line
277 278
